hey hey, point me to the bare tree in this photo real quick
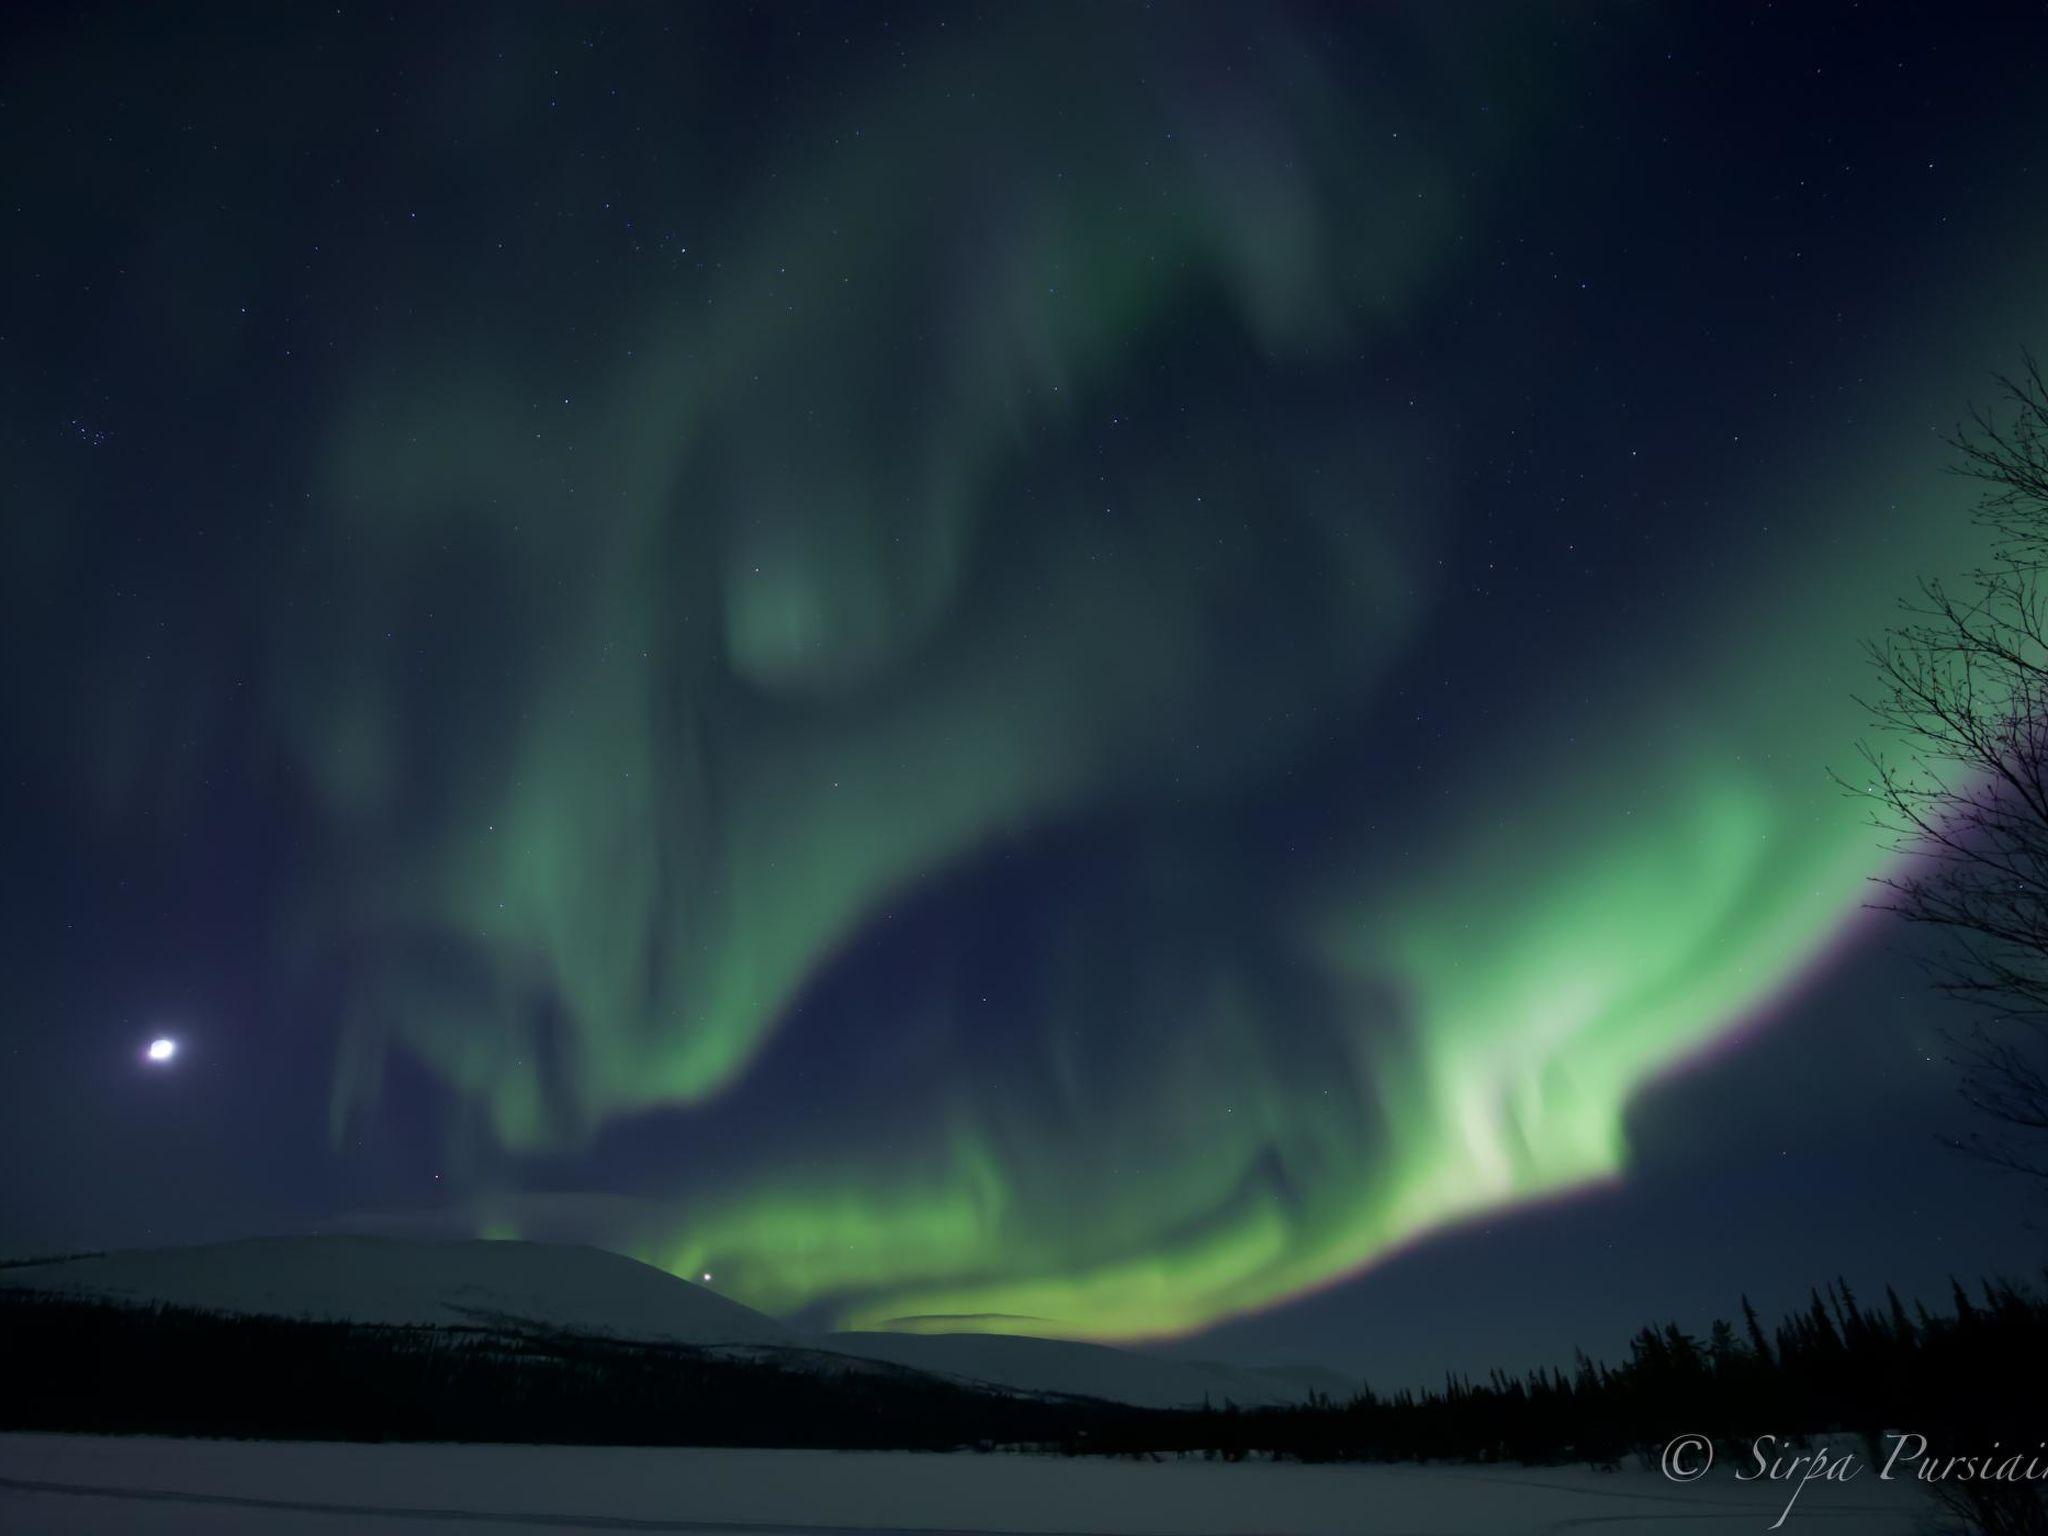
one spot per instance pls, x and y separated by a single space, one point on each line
1958 776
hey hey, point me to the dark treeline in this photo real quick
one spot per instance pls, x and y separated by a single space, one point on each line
83 1366
1965 1375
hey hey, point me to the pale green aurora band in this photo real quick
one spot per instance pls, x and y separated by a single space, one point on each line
809 600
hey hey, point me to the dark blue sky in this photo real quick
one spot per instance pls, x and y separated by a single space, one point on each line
960 661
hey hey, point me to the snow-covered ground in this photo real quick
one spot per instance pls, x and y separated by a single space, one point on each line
89 1486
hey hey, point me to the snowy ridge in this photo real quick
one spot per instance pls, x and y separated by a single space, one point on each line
1073 1369
527 1287
405 1281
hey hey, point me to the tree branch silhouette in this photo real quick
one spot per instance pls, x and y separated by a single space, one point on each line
1957 776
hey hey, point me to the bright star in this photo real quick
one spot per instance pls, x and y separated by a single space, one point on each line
162 1050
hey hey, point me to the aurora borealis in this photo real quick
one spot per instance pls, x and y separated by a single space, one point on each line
1069 671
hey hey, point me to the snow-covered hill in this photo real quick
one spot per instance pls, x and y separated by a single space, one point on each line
1075 1369
541 1286
402 1280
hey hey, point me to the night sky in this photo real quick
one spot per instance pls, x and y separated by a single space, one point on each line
1093 672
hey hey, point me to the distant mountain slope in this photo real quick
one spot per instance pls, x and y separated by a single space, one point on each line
400 1280
587 1290
1076 1369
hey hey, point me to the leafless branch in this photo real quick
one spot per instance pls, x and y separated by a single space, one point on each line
1957 776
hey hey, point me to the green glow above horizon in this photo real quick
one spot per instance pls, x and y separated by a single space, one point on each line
832 577
1616 953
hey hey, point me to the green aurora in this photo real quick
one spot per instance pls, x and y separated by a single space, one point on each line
983 473
819 626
